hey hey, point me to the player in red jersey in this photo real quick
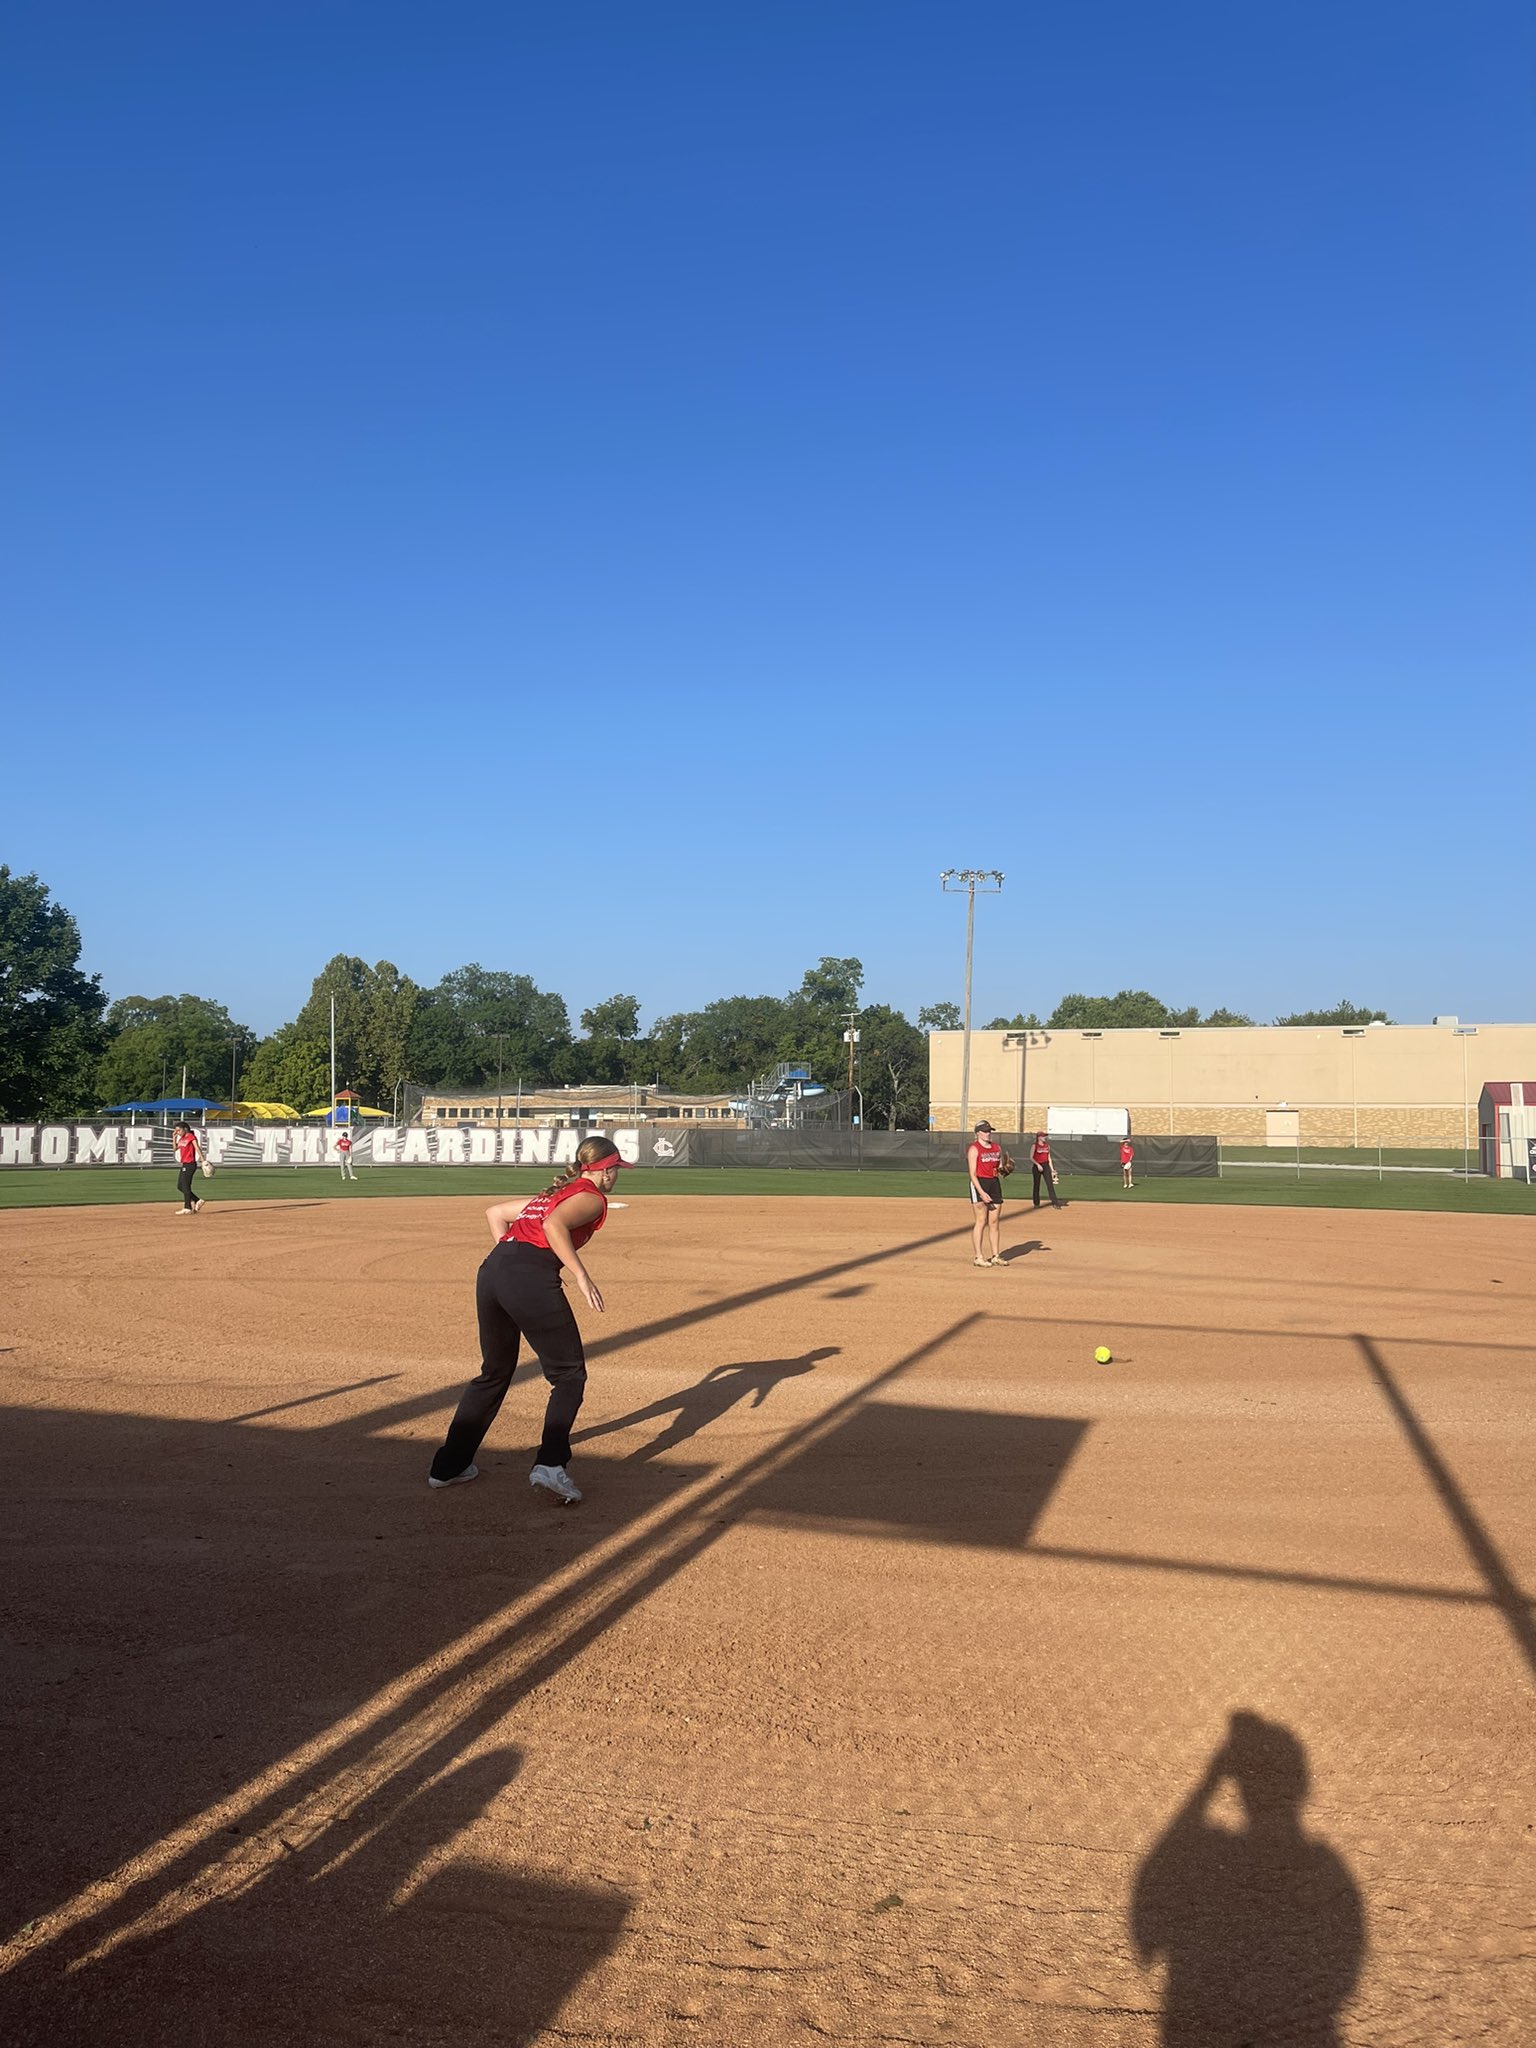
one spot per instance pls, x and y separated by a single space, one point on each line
983 1159
519 1293
1127 1155
189 1155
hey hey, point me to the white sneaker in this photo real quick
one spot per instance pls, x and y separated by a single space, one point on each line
556 1480
459 1478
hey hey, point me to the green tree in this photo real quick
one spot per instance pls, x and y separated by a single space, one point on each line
458 1023
1223 1019
1018 1023
391 1001
50 1013
725 1045
831 984
939 1017
288 1067
618 1017
1132 1009
153 1038
1341 1013
893 1067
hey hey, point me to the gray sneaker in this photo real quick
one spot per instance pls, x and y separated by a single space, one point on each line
556 1480
459 1478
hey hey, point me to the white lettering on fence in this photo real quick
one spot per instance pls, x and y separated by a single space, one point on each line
138 1145
386 1140
565 1148
482 1148
16 1142
216 1144
414 1151
92 1146
450 1148
534 1150
53 1145
304 1147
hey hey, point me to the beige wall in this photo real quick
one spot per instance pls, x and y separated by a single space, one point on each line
1395 1084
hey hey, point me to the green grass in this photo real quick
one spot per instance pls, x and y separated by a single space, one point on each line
39 1188
1279 1157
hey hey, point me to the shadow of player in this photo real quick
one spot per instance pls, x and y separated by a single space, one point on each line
1261 1927
698 1406
388 1915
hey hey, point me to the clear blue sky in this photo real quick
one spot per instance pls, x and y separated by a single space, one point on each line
629 493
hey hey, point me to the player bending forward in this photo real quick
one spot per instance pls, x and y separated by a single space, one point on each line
519 1293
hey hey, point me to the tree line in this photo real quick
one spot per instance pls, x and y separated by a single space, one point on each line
66 1051
1137 1009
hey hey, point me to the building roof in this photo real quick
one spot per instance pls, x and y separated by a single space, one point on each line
614 1094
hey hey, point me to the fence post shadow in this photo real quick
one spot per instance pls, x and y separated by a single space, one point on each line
1261 1927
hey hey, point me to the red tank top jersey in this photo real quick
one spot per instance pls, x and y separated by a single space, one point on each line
1127 1153
1040 1152
989 1157
343 1143
529 1227
186 1150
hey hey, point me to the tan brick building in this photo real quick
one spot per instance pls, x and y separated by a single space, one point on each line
619 1103
1377 1084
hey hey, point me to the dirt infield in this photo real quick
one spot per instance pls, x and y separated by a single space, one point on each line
882 1688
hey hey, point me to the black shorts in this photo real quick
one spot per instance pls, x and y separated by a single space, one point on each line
994 1188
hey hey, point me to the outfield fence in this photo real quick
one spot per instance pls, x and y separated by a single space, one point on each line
670 1146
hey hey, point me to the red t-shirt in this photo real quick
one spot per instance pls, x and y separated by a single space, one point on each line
989 1157
343 1143
1127 1152
1040 1152
528 1228
186 1149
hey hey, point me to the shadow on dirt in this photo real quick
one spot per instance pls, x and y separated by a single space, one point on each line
698 1406
201 1623
1260 1926
937 1475
357 1931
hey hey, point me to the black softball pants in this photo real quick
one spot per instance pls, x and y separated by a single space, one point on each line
184 1186
518 1294
1045 1173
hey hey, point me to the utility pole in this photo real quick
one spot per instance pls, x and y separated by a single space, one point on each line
990 882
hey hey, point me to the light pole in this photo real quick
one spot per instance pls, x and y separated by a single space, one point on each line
952 881
234 1059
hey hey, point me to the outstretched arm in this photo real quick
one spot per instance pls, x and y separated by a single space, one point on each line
557 1231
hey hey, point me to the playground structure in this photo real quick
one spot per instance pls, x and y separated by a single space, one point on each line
785 1099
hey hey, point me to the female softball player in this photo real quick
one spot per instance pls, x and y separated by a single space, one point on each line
519 1293
189 1154
983 1158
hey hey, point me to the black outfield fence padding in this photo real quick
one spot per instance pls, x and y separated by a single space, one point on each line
846 1151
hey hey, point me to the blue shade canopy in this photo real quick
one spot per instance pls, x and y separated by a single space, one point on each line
165 1102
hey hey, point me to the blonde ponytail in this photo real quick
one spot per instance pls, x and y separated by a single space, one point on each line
590 1152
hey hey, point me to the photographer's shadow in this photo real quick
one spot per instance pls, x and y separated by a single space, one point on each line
1260 1926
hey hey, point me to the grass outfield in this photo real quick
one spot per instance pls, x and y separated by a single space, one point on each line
75 1187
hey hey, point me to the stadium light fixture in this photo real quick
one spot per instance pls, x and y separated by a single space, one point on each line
953 880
